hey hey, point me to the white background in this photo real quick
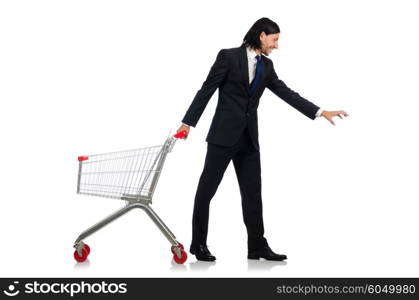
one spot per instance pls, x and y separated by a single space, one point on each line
85 77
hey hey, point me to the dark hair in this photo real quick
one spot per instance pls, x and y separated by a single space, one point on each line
251 39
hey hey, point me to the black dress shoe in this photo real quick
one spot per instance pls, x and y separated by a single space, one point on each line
201 252
267 254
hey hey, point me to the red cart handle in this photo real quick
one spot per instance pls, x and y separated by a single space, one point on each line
181 134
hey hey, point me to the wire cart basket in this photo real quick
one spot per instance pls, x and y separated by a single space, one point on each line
132 176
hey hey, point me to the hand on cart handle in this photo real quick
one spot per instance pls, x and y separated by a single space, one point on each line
182 132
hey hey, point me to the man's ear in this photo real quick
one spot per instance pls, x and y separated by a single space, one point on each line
262 35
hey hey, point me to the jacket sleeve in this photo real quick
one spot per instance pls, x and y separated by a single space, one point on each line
215 77
279 88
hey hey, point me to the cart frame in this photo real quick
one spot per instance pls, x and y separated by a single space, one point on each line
97 183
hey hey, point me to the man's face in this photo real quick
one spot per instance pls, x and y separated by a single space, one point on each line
268 42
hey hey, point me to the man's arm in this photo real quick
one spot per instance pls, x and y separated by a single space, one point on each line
279 88
215 77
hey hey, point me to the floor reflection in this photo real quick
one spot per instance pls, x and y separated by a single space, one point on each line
204 266
177 267
201 266
195 266
83 265
263 265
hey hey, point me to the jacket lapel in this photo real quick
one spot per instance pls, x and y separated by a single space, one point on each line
244 68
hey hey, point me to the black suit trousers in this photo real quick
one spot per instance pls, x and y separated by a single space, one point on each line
246 160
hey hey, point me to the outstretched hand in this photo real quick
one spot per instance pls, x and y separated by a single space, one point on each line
328 115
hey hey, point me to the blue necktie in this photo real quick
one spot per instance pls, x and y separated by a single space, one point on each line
258 74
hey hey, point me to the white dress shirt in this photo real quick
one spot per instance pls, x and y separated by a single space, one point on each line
252 61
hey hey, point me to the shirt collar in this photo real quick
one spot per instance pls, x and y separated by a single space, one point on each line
251 54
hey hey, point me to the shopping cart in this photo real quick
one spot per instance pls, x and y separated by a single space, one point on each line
132 176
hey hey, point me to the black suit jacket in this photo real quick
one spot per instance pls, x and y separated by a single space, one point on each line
237 107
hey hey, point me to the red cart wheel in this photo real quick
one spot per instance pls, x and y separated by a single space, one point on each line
87 248
180 246
181 260
83 256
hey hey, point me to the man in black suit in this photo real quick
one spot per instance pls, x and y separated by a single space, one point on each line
241 75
